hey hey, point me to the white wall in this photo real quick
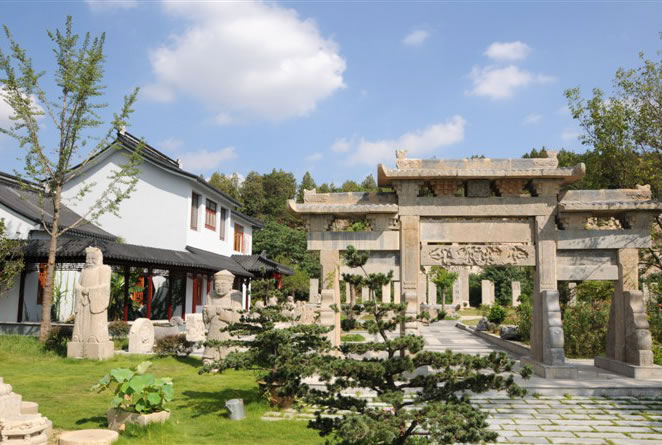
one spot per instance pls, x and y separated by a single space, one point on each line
156 214
16 226
9 302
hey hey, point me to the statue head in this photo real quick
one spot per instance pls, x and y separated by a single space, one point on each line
93 256
223 282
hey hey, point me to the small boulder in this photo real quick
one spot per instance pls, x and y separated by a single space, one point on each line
508 333
483 324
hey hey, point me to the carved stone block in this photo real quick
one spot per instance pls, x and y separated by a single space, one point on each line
510 187
478 188
478 255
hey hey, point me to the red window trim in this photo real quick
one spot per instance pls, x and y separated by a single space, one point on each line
209 212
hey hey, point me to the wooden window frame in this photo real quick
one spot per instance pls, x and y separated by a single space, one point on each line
223 222
209 213
239 235
195 210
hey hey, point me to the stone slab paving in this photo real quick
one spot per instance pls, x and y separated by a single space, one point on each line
556 420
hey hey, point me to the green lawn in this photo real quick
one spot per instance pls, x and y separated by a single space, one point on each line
61 387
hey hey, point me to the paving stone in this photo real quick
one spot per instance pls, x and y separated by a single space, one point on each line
646 436
583 422
578 441
603 435
521 428
626 429
533 421
548 434
567 428
523 440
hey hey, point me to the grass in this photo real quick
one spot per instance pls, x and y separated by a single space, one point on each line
352 338
473 322
61 387
470 311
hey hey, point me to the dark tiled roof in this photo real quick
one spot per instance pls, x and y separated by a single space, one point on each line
25 202
259 264
72 250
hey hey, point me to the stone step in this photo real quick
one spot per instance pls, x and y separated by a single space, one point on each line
88 437
29 408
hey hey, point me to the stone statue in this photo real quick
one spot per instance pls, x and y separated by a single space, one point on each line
90 337
272 301
195 328
141 336
222 310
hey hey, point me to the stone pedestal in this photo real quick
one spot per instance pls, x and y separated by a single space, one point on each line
348 293
20 422
141 335
516 292
432 293
93 351
487 292
88 437
550 371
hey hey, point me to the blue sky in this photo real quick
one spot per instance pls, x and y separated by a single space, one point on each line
334 87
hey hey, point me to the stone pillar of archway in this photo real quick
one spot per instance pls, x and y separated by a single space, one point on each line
547 356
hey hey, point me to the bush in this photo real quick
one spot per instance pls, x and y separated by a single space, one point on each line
118 329
441 315
173 345
523 314
496 314
348 324
136 391
57 339
585 329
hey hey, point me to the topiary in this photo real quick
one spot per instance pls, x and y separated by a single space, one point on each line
118 329
173 345
496 314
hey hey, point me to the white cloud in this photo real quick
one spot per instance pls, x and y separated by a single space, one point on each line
418 142
501 82
341 146
532 119
5 112
416 37
314 157
564 110
508 51
171 144
108 5
570 134
204 160
223 119
252 58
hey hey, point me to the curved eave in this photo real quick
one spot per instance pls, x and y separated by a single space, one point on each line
323 209
386 176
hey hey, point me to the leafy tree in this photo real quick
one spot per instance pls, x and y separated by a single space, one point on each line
503 276
11 259
252 195
441 407
281 241
350 186
369 184
307 183
230 185
279 187
443 279
74 114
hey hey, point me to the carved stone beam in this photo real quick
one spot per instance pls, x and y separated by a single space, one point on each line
637 220
543 187
576 221
445 187
318 223
407 191
510 187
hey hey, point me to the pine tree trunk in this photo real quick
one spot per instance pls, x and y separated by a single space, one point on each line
47 299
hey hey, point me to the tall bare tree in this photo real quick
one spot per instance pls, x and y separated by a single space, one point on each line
51 161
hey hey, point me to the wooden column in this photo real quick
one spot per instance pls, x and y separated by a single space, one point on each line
184 300
150 293
127 277
209 279
194 294
171 282
21 297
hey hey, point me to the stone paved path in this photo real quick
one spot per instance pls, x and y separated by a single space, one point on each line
443 335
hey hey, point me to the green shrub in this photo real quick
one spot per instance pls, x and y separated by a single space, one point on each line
118 328
441 315
496 314
352 338
523 314
57 339
136 391
585 329
347 324
173 345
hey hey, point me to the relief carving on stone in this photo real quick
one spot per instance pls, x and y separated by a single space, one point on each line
478 255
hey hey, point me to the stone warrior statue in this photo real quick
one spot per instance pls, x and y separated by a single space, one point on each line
90 338
222 309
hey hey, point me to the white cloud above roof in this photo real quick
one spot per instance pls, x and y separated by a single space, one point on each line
109 5
204 160
508 51
252 59
416 37
501 82
418 142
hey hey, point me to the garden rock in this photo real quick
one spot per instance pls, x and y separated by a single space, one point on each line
88 437
483 325
141 337
508 333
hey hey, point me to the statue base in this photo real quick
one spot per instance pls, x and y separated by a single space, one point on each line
550 371
628 370
92 351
